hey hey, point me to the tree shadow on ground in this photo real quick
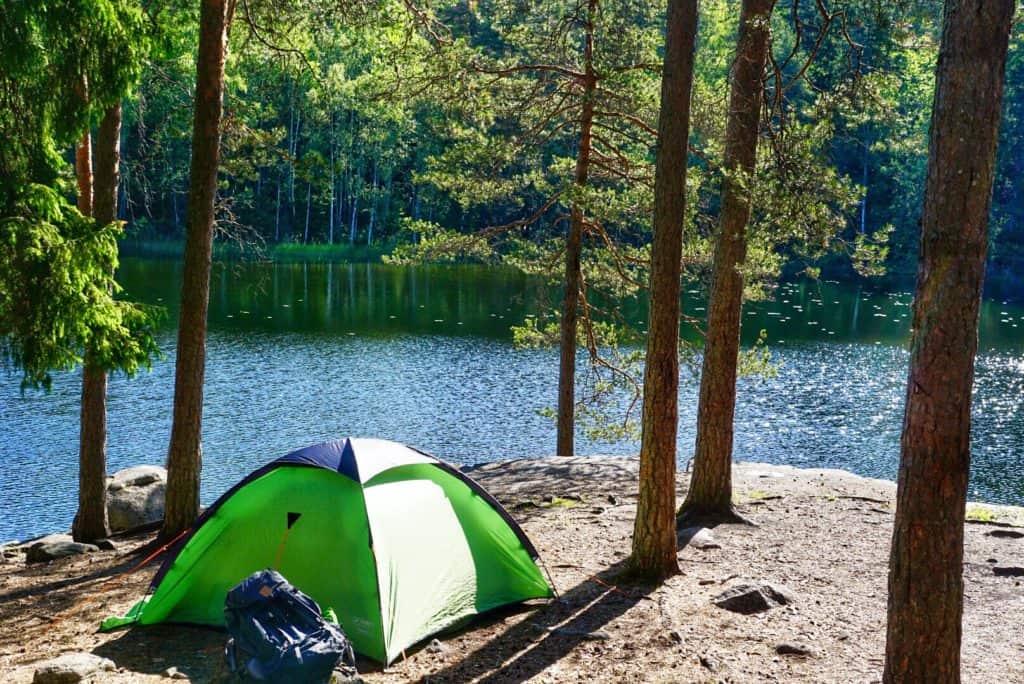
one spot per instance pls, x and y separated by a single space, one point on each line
45 590
549 634
195 651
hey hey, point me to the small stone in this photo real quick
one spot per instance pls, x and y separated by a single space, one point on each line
1008 571
1005 534
175 673
675 636
613 500
70 668
435 646
708 663
699 538
793 648
42 553
748 598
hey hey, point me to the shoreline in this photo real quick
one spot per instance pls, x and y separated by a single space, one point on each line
821 534
978 512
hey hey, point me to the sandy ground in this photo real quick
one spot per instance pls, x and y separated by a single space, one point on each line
823 534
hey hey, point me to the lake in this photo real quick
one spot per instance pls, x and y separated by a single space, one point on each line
301 353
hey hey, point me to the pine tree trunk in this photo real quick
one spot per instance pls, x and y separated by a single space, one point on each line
91 520
83 173
184 458
926 563
566 421
654 532
710 493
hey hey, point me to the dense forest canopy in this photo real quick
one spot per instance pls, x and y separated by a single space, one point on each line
367 124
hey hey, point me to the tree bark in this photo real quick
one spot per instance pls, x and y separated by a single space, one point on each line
926 562
654 531
184 456
710 493
91 520
566 422
83 173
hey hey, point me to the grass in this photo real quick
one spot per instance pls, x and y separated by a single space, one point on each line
982 514
285 252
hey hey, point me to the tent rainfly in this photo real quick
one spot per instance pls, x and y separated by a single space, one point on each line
399 544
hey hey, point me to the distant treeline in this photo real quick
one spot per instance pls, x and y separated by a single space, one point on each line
337 133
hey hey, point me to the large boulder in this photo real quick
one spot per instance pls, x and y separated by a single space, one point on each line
72 667
135 496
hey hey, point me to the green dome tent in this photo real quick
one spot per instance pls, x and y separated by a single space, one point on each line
399 544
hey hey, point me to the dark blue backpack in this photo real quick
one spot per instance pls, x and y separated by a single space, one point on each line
278 634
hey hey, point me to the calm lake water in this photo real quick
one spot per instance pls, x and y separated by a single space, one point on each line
304 353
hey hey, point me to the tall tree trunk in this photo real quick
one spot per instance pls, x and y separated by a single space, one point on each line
373 207
710 493
184 457
83 173
309 198
353 223
654 531
91 520
330 213
566 422
926 564
277 214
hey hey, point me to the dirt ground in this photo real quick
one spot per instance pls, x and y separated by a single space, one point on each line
823 534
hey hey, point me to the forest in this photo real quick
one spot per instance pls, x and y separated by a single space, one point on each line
357 127
614 151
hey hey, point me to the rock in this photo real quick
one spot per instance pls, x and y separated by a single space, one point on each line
1005 534
613 500
105 545
435 646
793 648
135 496
675 636
708 663
48 539
749 598
345 675
699 538
70 668
1008 571
174 673
42 553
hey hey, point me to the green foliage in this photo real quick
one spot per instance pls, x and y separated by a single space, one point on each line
57 293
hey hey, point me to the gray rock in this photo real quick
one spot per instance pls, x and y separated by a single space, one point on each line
70 668
435 646
699 538
1008 571
135 496
42 553
174 673
48 539
794 648
749 598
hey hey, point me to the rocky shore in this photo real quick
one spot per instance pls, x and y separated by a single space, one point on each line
799 597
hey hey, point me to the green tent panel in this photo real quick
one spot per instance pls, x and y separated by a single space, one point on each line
398 543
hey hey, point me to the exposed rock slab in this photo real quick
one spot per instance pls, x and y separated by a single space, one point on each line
45 552
70 668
